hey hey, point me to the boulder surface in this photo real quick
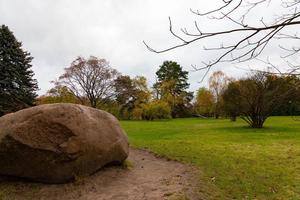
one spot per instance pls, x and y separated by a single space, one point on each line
54 143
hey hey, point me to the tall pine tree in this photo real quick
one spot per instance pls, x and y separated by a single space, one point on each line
171 86
17 86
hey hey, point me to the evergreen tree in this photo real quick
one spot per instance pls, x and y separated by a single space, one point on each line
17 86
172 71
171 86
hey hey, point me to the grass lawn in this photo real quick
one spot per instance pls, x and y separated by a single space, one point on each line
237 162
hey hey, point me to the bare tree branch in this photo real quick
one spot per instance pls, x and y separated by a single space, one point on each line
252 39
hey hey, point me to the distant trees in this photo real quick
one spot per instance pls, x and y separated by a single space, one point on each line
204 102
93 82
253 98
124 90
17 85
91 79
171 86
131 94
125 95
218 82
156 110
169 96
232 100
57 94
209 102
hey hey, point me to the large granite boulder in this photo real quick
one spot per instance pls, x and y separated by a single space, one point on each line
54 143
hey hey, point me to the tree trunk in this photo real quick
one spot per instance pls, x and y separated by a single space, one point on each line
233 118
93 103
257 123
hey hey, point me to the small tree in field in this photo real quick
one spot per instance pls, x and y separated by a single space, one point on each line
17 86
91 79
259 95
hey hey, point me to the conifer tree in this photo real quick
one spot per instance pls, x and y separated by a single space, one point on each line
17 86
171 86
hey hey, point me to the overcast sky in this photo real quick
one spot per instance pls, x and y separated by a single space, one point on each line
56 32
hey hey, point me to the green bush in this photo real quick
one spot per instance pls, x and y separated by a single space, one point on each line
112 108
156 110
137 113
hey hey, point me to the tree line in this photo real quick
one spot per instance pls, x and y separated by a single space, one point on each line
253 98
93 82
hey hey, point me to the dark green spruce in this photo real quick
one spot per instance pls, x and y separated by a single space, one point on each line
17 86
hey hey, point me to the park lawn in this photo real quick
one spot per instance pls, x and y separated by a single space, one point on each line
240 162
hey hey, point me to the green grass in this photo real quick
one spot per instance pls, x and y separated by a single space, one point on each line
242 163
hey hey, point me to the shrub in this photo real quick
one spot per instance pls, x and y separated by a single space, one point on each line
137 113
156 110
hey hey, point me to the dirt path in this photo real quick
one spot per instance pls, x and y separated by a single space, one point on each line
147 178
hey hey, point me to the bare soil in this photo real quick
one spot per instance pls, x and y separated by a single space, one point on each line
146 177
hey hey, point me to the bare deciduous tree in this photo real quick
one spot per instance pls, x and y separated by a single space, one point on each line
91 79
248 38
217 84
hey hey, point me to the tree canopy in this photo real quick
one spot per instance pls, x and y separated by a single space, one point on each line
257 96
131 94
90 78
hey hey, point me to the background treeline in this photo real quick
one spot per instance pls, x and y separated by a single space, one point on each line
225 95
94 83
